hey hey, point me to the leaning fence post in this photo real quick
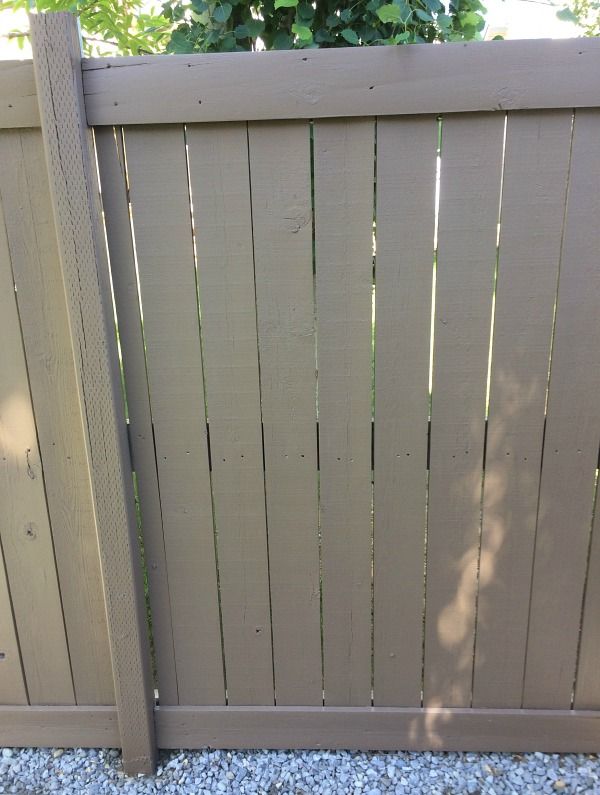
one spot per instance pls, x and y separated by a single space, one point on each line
69 159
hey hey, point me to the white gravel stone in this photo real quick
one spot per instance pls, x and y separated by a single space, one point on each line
98 772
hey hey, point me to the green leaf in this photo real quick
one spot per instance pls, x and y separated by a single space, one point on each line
346 15
305 11
400 38
471 18
179 43
350 36
389 13
332 21
282 41
286 3
303 33
199 6
222 12
566 15
423 15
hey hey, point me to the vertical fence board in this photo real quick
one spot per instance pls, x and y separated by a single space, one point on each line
156 161
587 689
220 190
533 204
111 164
52 376
406 171
281 212
469 198
75 203
571 441
344 173
12 681
25 526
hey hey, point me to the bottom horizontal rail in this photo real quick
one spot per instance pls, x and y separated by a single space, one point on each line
379 728
62 727
352 728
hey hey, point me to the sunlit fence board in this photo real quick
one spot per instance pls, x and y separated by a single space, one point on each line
533 204
469 199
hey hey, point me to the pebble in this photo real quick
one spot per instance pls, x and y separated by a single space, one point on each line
98 772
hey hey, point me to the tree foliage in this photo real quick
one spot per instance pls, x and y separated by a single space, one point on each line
186 26
585 13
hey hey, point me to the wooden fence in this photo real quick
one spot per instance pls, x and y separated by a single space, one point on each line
358 305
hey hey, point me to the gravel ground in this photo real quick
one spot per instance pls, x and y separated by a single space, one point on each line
95 772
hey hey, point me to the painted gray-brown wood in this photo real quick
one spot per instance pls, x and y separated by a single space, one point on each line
379 729
587 687
533 203
12 681
62 727
344 193
571 441
406 170
60 429
111 164
282 225
74 198
471 164
310 84
25 527
158 183
18 100
220 188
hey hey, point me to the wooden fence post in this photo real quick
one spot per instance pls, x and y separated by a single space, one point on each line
72 176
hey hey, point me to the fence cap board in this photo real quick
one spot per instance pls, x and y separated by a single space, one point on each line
18 97
304 84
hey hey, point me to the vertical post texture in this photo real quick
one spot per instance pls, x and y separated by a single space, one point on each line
68 148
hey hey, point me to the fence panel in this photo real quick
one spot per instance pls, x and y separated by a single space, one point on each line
366 512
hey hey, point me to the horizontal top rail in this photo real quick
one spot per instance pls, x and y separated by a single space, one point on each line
304 84
18 97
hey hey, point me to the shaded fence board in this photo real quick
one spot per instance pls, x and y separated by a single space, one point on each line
587 690
312 84
471 164
156 162
281 211
533 205
51 368
406 173
18 99
219 178
111 164
343 185
25 527
572 434
12 681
